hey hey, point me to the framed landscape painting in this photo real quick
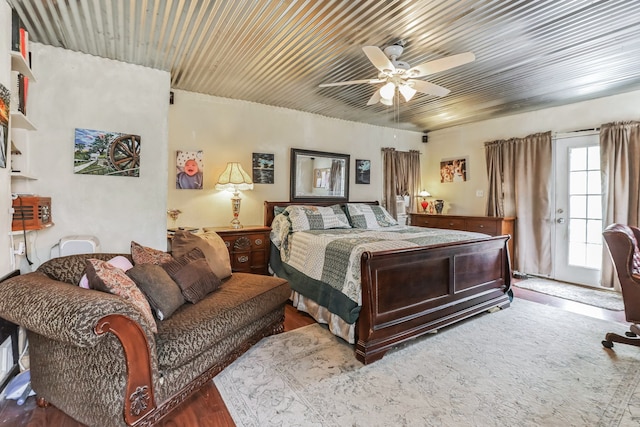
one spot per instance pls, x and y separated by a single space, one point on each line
263 168
363 171
99 152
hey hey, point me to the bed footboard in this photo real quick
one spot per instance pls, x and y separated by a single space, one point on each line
407 293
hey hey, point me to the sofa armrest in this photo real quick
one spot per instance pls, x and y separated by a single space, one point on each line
61 311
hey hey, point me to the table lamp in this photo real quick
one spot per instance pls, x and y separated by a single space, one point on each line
234 179
424 203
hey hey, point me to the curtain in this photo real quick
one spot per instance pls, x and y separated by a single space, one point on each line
401 175
519 172
620 168
335 178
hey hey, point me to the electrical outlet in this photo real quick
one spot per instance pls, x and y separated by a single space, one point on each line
20 249
479 193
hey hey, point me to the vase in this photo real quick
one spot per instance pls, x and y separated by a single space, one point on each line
439 205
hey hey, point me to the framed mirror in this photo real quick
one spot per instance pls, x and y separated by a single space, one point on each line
319 176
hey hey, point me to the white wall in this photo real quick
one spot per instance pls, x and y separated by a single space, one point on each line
75 90
229 130
468 141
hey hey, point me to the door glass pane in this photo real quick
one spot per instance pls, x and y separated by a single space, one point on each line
578 182
577 230
577 253
593 161
594 207
577 159
594 256
593 182
594 231
578 206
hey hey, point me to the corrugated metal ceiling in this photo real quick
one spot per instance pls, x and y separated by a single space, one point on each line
530 54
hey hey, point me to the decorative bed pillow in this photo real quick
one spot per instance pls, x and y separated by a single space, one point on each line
317 217
108 278
212 246
193 275
163 294
119 261
145 255
280 229
369 216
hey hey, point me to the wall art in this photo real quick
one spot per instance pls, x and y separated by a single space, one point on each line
263 168
453 170
189 170
5 99
363 171
99 152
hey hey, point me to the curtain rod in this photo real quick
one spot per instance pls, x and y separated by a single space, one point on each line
575 132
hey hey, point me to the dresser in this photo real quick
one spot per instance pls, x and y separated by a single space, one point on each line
248 247
491 225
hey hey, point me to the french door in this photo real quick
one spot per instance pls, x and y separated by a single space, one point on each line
578 209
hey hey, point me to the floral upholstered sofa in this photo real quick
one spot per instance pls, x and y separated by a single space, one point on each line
100 357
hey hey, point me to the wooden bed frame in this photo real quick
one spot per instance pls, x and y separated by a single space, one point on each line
410 292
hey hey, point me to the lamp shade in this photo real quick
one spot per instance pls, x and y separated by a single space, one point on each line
234 178
388 90
424 193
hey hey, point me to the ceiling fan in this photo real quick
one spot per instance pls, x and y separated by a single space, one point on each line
399 75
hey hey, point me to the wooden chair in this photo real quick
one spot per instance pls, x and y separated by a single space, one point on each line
622 242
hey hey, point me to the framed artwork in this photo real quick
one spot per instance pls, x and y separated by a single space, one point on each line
363 171
453 170
263 168
189 170
5 99
99 152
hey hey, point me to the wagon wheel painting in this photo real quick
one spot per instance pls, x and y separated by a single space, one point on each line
124 154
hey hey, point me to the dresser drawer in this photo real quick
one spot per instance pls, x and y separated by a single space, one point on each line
450 223
428 221
485 226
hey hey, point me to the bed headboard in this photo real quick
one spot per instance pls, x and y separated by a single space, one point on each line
269 206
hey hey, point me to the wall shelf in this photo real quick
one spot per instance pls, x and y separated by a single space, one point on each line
19 64
21 175
20 121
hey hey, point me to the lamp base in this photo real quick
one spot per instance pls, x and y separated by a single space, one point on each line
235 208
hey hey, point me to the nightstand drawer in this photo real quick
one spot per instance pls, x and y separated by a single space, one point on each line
489 227
248 248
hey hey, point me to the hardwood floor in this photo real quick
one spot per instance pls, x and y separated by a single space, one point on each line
206 408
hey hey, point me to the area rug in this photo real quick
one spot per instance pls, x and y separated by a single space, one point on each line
603 298
527 365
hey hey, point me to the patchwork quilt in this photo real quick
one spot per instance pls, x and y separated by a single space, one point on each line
332 257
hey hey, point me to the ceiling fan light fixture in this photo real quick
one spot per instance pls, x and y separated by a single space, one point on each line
386 101
388 90
407 92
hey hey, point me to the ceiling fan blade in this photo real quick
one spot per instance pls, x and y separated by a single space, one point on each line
441 64
352 82
378 59
428 88
375 98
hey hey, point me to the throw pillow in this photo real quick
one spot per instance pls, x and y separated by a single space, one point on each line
163 294
145 255
212 246
108 278
194 276
366 216
317 217
119 261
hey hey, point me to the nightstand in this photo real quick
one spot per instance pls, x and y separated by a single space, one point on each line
248 247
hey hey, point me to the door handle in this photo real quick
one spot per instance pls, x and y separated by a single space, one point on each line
560 220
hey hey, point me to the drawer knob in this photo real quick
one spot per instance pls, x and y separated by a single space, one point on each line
227 243
243 258
258 242
481 225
